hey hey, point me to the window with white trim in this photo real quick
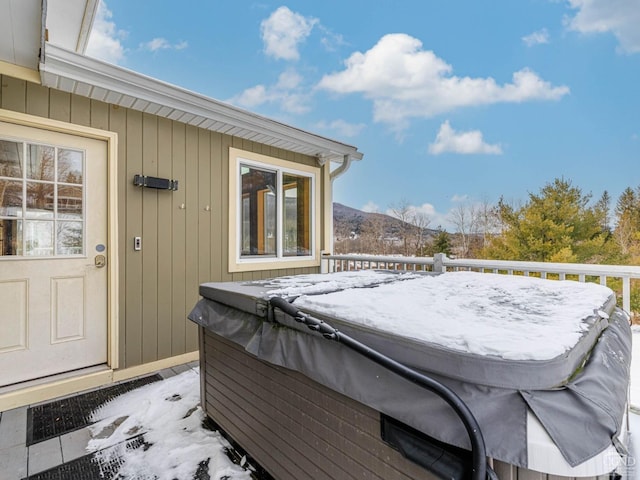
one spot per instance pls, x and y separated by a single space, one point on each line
273 212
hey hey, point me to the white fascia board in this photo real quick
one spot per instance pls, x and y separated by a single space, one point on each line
61 64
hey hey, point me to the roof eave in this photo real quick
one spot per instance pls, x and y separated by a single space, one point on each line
71 72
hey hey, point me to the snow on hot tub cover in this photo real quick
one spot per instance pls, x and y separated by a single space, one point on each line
503 343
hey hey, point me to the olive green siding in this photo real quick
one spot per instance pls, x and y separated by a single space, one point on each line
183 242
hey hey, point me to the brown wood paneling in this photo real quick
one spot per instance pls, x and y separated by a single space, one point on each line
14 94
133 228
296 428
316 433
178 238
164 231
150 239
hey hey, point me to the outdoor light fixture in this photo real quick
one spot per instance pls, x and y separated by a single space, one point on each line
155 182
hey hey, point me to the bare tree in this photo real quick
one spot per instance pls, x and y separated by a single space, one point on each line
405 213
465 218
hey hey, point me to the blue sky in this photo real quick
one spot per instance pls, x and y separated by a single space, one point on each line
451 102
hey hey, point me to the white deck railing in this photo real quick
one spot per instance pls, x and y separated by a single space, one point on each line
441 263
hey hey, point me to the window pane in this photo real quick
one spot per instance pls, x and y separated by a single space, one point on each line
38 238
41 163
10 198
10 237
258 215
296 215
70 166
10 159
69 238
39 200
69 202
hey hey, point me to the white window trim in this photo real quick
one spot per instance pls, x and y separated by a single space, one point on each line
247 264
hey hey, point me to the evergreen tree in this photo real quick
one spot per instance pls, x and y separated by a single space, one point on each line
627 231
555 225
441 244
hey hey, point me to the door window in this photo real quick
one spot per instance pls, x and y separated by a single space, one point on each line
41 200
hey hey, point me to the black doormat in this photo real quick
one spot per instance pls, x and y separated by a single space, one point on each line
63 416
91 466
106 464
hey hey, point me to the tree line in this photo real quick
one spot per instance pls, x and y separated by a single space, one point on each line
559 223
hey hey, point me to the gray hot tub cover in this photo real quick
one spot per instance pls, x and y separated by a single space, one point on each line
586 403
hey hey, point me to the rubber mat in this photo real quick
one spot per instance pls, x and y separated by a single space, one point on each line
95 467
63 416
90 467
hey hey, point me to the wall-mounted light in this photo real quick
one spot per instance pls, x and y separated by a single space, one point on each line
155 182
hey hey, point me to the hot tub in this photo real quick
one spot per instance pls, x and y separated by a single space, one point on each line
543 365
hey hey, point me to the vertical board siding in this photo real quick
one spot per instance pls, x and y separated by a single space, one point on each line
37 100
164 280
183 243
14 94
191 233
178 241
150 259
132 223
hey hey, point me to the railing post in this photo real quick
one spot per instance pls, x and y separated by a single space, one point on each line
626 294
438 263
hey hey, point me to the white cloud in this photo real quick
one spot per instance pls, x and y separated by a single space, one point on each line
105 40
459 198
536 38
283 31
287 93
371 207
342 127
331 41
470 142
405 81
620 17
162 44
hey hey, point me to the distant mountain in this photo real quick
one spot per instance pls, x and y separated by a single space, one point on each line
348 221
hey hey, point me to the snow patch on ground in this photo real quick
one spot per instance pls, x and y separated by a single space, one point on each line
512 317
169 416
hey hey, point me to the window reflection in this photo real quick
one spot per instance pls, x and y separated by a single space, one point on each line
41 163
296 215
10 159
69 202
259 201
10 198
38 238
69 238
70 168
10 237
41 200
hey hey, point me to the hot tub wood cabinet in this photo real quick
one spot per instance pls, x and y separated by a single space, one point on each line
305 407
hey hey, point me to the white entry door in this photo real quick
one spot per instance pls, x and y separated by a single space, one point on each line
53 250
